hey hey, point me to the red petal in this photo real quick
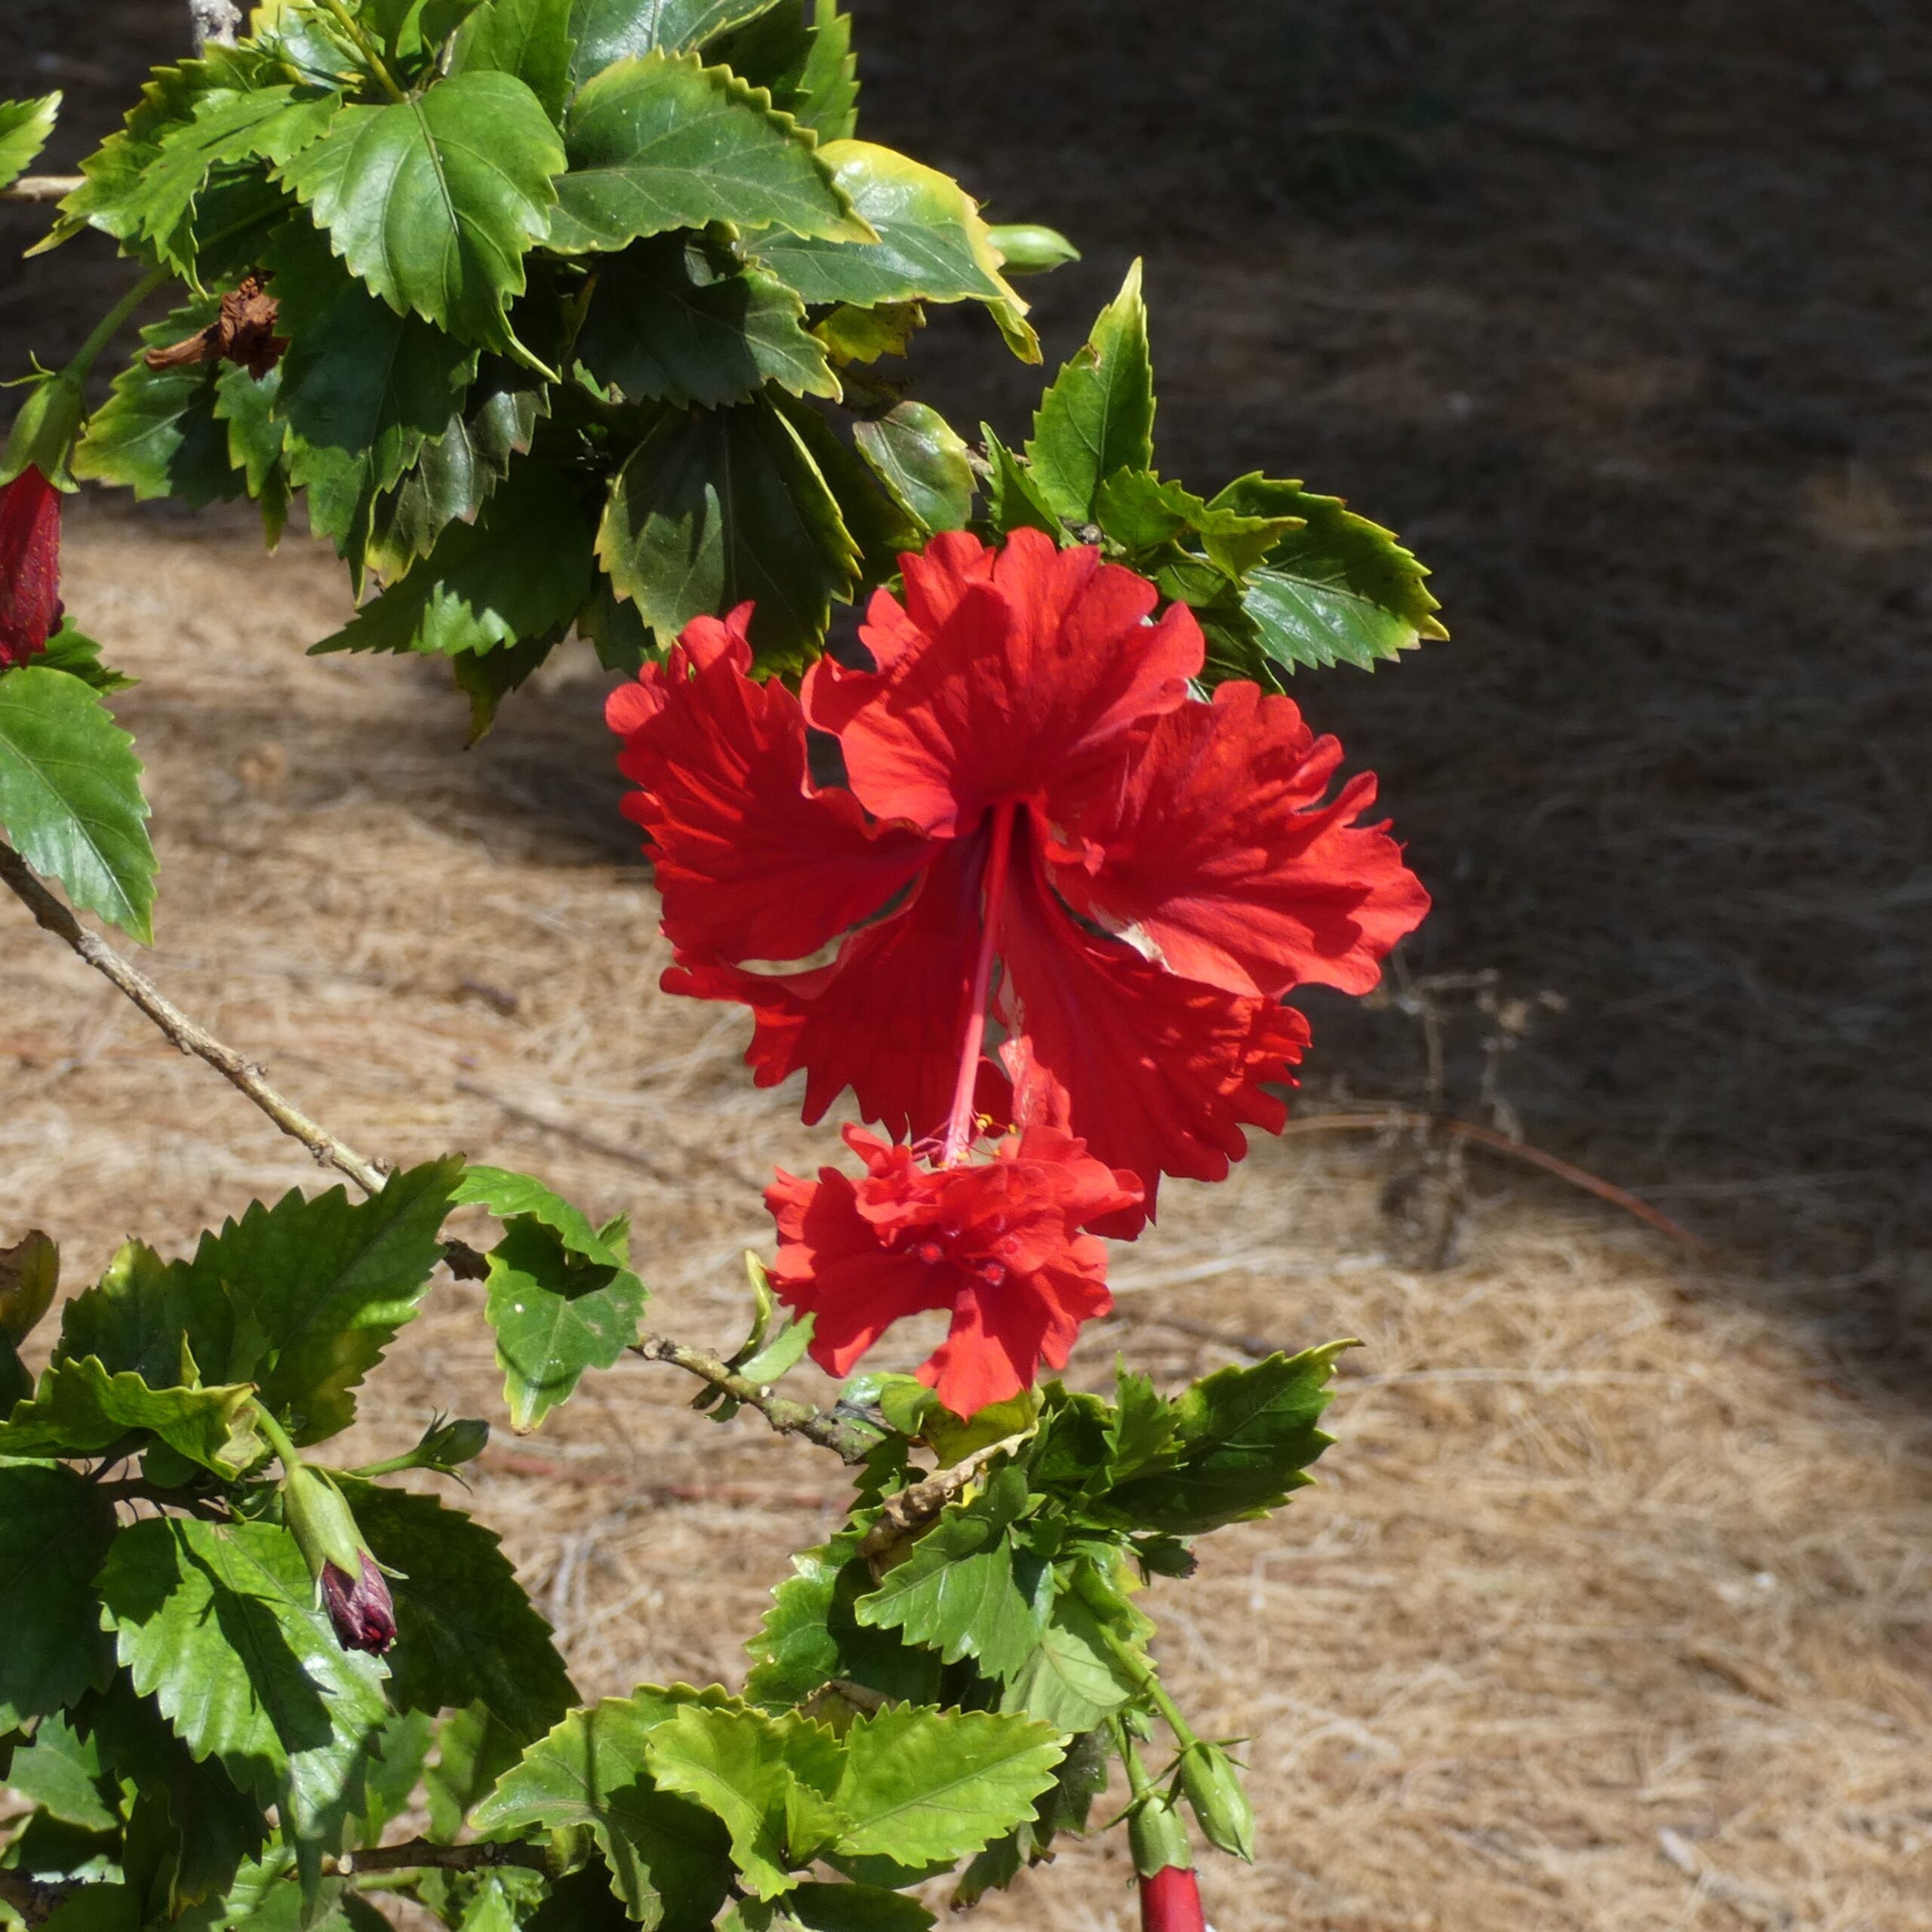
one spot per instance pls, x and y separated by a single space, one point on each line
1157 1074
1216 850
1003 675
752 863
884 1018
29 566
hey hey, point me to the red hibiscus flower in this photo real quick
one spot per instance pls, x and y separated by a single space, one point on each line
997 1242
29 566
1037 825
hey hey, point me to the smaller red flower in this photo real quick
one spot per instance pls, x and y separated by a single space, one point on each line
360 1608
29 566
997 1242
1171 1901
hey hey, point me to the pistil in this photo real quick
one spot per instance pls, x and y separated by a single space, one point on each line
960 1123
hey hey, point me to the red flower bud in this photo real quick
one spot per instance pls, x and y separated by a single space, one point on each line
364 1617
29 566
1171 1901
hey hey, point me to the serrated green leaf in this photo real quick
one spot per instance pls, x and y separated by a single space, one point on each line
1244 1439
156 434
530 38
522 571
61 1772
509 1195
716 507
26 127
805 63
220 1624
669 1859
1072 1681
362 381
966 1590
874 520
1098 416
1340 590
824 1907
1142 1428
556 1315
663 326
80 1409
466 1632
318 1289
612 30
782 1353
434 202
932 244
1142 514
665 142
257 438
70 796
455 473
216 1826
737 1764
864 335
921 1786
922 460
473 1750
79 657
1014 501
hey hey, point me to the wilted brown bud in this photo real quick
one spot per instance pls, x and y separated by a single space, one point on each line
362 1613
244 333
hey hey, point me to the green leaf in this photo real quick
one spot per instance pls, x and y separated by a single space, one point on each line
665 142
966 1589
865 335
1243 1439
522 569
530 38
473 1750
360 378
67 650
556 1315
216 1826
1140 513
664 325
487 678
877 523
1014 499
738 1763
669 1859
806 65
509 1195
922 459
822 1908
612 30
61 1772
922 1787
434 202
932 244
1141 1427
1099 415
25 126
455 473
70 796
319 1289
219 1625
466 1633
1340 590
80 1409
1072 1681
156 434
714 508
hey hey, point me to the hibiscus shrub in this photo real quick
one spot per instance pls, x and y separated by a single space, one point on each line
574 319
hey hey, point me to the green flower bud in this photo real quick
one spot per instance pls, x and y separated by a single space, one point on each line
348 1585
1220 1803
447 1445
1030 249
46 429
1157 1837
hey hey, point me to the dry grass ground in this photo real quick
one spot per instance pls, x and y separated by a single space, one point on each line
1610 1613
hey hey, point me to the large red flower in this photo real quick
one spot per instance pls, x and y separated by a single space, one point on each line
29 566
1037 824
997 1242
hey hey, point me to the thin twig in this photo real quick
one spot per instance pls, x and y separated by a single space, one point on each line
55 919
908 1512
414 1854
43 188
846 1441
1383 1119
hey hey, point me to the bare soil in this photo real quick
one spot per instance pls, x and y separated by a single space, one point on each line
1610 1611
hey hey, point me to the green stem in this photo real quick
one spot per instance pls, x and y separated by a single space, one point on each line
278 1439
1141 1671
364 46
110 324
396 1466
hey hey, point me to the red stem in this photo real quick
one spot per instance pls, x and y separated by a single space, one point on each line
960 1122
